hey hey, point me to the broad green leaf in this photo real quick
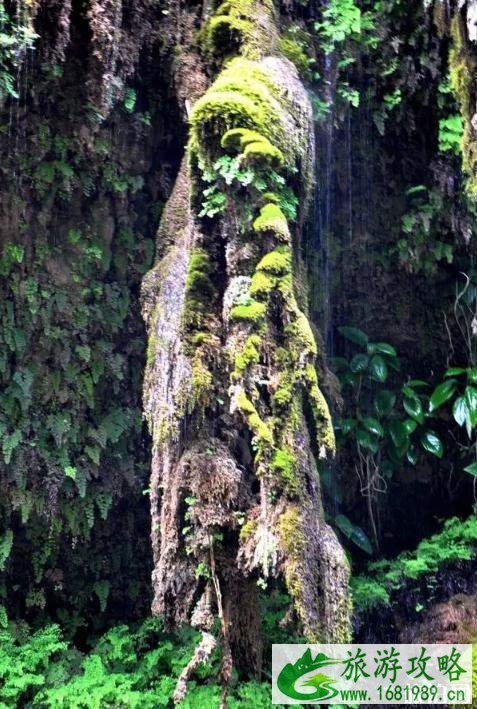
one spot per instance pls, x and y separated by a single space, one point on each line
442 393
359 363
472 375
347 425
471 400
399 433
354 533
344 524
384 402
374 426
349 378
340 362
454 371
378 368
382 348
361 539
367 440
472 469
431 442
460 410
415 383
413 408
412 455
410 425
354 335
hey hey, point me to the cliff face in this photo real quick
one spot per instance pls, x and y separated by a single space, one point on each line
87 159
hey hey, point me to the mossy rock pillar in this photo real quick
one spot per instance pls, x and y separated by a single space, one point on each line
231 389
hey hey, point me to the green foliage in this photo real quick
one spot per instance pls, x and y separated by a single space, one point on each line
341 21
130 98
252 311
421 247
387 422
16 40
457 541
450 134
459 391
126 668
295 44
354 533
71 355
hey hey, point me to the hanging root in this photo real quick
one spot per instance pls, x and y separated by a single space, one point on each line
202 653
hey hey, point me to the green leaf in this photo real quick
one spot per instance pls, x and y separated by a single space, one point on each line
359 363
472 469
410 425
415 383
460 411
354 335
472 375
94 453
9 443
378 368
399 433
366 440
413 408
384 402
383 348
70 472
431 442
347 425
454 372
471 400
374 426
442 393
344 524
412 455
354 533
361 539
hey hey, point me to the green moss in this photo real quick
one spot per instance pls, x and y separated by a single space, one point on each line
235 28
200 338
272 220
262 284
249 355
456 542
201 381
368 593
198 289
283 396
255 148
277 261
248 529
263 153
217 111
301 338
283 463
293 50
242 97
293 542
258 427
151 348
463 68
324 428
197 280
253 312
271 197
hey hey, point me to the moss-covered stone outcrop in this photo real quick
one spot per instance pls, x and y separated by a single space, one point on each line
463 75
261 419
